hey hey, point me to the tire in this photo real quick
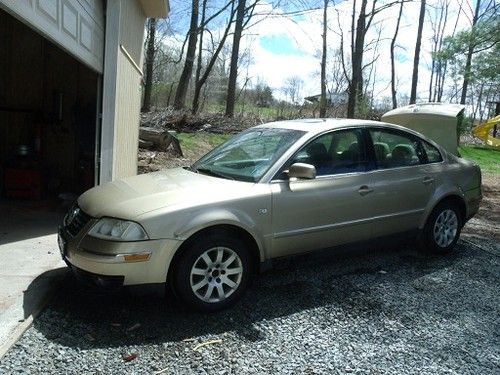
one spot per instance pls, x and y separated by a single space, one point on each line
443 227
212 272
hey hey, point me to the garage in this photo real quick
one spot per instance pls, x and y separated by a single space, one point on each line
48 112
70 88
70 91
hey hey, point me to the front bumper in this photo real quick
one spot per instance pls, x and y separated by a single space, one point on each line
97 280
105 260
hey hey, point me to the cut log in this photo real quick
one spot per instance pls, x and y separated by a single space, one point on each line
160 140
145 144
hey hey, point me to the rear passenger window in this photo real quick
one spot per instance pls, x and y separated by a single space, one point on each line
433 154
396 149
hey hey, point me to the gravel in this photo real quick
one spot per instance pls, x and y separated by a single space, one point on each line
379 310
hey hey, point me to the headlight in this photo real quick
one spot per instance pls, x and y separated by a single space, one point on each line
118 230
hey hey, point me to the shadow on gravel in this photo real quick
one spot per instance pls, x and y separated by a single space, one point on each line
37 293
89 318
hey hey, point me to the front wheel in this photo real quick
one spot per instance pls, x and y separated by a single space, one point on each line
443 227
212 272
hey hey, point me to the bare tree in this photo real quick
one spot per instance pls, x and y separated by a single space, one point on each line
438 20
470 52
416 58
200 44
233 72
182 87
336 79
150 57
443 62
322 101
201 80
243 16
293 87
359 28
393 69
372 69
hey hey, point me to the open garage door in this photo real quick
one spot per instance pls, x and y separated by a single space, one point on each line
75 26
48 112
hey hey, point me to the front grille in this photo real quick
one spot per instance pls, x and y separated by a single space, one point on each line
80 219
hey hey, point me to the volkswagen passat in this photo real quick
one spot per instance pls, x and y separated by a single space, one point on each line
274 190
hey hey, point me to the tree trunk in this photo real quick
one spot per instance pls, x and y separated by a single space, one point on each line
356 84
497 112
233 70
200 52
445 62
416 58
439 28
393 69
150 57
322 105
468 62
200 81
180 94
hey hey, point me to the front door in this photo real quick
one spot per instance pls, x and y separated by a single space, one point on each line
332 208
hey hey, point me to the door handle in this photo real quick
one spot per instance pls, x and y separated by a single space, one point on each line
427 180
363 190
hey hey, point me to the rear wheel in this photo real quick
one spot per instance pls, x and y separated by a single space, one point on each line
443 227
212 272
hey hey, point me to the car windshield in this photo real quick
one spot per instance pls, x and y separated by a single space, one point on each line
248 155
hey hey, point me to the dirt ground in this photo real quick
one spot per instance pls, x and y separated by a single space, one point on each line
151 161
486 224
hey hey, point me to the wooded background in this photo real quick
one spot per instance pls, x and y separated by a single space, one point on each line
195 61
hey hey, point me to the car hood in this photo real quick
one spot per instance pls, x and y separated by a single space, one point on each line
176 188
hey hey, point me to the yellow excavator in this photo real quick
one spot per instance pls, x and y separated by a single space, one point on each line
482 131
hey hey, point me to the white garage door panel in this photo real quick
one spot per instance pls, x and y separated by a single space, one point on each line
75 25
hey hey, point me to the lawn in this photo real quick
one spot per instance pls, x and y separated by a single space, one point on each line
487 158
196 142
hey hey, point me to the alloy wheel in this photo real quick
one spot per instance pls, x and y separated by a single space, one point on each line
216 274
445 228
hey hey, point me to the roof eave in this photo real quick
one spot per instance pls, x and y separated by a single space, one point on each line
155 8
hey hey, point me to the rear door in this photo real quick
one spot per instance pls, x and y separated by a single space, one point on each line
403 181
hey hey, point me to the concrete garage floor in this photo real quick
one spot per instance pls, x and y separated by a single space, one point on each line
29 263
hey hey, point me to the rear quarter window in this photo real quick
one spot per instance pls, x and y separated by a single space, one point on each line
433 154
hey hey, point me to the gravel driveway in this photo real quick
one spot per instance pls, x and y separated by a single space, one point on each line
380 310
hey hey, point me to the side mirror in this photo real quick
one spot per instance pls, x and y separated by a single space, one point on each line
302 171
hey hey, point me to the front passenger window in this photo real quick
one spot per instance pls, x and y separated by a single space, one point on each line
337 152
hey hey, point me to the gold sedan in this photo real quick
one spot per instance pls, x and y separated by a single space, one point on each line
275 190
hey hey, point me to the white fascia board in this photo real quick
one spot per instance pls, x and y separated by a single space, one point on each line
109 94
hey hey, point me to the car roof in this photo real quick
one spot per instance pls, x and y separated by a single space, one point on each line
319 125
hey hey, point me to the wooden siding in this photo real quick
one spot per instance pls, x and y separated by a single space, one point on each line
122 89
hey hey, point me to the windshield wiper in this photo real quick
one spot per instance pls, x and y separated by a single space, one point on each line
211 172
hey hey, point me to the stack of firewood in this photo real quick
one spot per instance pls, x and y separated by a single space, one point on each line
160 140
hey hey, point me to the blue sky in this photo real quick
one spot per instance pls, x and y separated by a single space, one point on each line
280 44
